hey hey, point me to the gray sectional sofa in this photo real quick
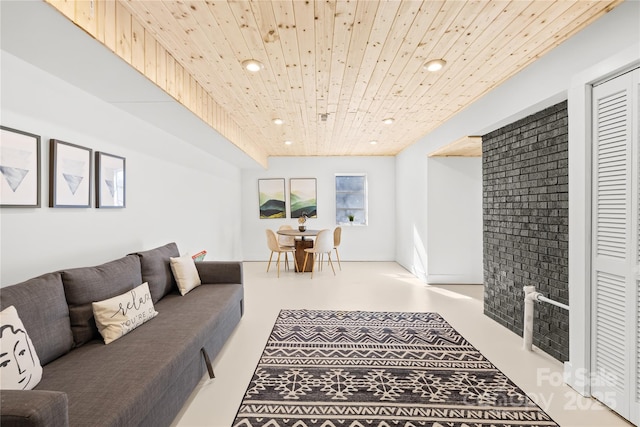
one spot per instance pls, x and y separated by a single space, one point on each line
143 378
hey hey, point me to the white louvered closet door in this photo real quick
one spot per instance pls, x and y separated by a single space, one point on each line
615 282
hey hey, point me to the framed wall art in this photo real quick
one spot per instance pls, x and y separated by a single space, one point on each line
110 181
302 193
70 175
271 198
20 169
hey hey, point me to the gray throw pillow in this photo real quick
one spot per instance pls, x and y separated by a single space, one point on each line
156 270
85 285
42 307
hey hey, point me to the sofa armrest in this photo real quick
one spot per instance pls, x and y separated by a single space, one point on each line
212 272
33 408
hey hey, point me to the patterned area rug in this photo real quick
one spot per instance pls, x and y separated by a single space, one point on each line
362 369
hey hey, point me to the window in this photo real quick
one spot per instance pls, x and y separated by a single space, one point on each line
351 198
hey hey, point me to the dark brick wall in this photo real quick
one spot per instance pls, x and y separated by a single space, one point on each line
525 218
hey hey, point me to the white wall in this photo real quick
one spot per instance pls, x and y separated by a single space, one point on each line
540 85
411 213
454 220
374 242
175 191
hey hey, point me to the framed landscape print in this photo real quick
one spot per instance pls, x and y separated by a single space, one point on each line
70 175
19 169
271 198
110 181
302 192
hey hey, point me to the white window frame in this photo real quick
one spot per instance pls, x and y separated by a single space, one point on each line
365 220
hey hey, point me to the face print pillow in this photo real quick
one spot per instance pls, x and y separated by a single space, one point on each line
19 364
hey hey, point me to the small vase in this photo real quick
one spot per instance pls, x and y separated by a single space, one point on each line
302 227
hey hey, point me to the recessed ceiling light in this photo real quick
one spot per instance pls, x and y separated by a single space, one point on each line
373 142
288 142
278 121
388 121
252 65
434 65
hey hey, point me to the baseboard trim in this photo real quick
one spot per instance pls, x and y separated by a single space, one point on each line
454 279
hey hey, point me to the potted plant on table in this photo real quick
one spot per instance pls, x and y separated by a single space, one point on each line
301 222
351 218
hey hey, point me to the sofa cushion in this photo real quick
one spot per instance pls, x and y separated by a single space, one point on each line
41 305
19 364
85 285
118 384
117 316
156 270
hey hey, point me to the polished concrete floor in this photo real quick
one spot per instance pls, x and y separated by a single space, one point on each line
378 286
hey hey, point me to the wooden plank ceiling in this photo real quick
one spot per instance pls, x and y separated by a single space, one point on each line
467 146
357 62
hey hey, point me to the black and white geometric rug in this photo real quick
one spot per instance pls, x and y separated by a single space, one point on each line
364 369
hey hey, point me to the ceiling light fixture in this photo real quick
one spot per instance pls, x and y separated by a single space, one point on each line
288 142
278 121
435 65
373 142
253 65
389 121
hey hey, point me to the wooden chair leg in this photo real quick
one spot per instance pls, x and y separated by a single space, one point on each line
338 256
269 265
312 265
295 261
334 270
304 265
279 253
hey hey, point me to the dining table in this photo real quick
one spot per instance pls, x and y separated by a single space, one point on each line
300 245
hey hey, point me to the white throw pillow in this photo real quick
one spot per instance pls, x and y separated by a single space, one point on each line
186 274
19 364
117 316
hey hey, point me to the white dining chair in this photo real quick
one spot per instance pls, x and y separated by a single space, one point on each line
323 245
286 242
274 246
